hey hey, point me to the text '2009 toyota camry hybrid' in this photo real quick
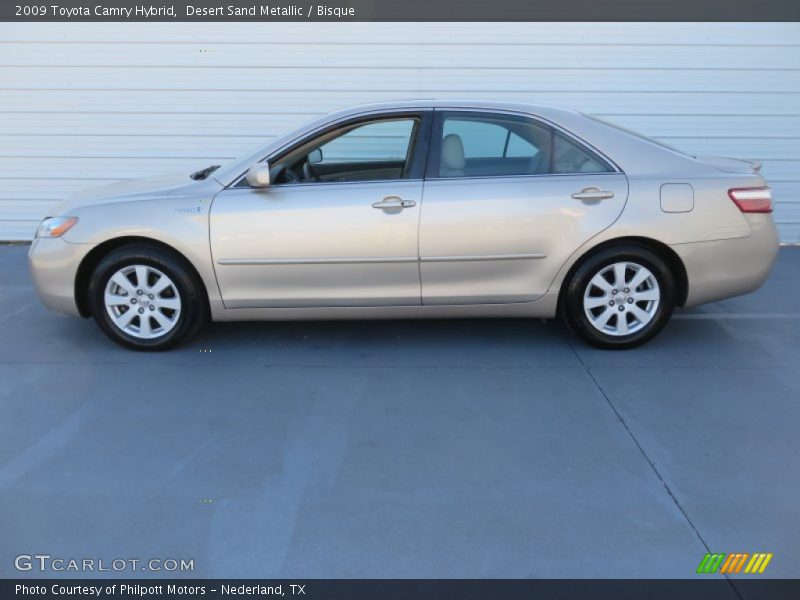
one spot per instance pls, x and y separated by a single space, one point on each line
416 209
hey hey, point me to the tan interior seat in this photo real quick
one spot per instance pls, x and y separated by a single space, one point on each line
452 159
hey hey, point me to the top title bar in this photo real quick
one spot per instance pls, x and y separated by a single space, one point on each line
403 10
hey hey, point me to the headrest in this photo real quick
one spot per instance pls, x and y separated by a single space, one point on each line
452 152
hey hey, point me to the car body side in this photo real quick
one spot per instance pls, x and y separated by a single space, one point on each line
716 251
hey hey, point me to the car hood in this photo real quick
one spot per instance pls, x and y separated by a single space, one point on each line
134 189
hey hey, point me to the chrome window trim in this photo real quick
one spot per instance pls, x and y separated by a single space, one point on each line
521 176
418 179
320 183
518 113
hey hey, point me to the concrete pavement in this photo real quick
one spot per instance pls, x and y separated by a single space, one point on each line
404 449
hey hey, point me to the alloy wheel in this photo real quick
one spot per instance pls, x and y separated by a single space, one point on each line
142 301
621 298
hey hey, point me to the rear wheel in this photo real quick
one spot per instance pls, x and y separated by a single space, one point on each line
146 298
620 297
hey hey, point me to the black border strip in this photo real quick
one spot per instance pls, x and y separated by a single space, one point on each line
712 588
405 10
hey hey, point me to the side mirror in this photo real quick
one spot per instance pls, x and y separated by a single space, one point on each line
258 176
315 156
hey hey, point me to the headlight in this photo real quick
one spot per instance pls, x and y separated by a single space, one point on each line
55 226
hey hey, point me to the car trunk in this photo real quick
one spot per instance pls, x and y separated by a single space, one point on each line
731 165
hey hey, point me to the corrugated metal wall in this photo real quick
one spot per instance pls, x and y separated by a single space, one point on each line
85 103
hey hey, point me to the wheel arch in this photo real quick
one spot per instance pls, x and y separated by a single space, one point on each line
673 261
97 253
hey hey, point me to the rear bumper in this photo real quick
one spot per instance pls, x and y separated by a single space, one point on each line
724 268
54 265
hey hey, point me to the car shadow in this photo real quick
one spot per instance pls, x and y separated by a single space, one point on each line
459 342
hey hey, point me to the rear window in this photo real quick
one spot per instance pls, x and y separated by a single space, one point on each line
636 134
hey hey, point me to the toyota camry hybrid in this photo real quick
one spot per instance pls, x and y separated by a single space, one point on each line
416 209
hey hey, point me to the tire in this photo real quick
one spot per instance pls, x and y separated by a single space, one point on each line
168 309
596 307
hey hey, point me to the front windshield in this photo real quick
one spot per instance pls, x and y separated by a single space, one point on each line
253 155
232 170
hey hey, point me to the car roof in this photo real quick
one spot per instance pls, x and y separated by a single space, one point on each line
429 103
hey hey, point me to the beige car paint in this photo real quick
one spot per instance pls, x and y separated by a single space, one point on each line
317 245
530 224
724 252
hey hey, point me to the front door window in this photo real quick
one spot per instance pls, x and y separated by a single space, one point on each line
372 151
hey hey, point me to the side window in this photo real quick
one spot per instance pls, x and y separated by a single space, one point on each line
519 147
382 141
474 145
568 157
372 151
479 138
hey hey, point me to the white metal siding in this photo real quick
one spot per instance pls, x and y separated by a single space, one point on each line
84 103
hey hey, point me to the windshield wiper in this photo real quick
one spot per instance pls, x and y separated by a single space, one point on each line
203 173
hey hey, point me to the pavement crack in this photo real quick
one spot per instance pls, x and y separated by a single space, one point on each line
17 311
650 462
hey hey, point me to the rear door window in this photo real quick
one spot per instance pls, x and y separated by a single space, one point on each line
492 145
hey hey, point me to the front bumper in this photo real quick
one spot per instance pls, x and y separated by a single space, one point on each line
724 268
54 266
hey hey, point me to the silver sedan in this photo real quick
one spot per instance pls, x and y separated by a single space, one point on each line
416 209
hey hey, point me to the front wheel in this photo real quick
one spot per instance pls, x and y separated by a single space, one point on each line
146 298
620 297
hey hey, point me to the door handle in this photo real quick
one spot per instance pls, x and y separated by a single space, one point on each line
394 202
592 193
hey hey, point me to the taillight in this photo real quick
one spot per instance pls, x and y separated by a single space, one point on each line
752 200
